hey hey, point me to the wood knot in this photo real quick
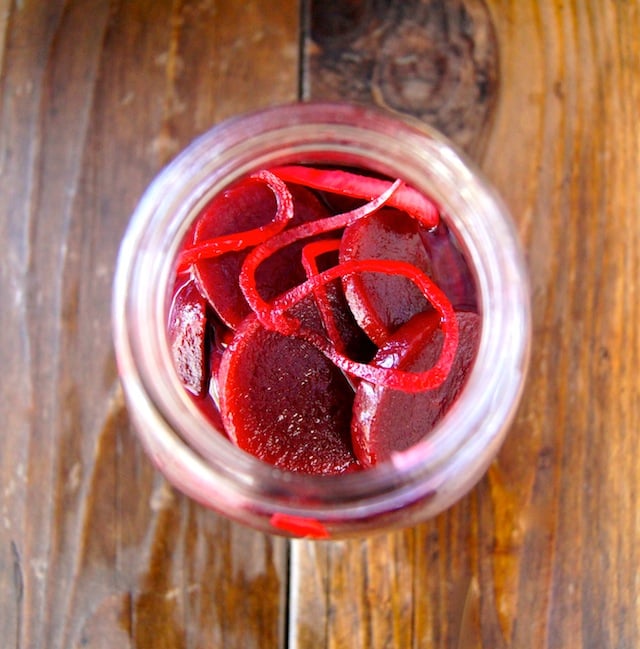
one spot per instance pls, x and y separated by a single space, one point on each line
433 59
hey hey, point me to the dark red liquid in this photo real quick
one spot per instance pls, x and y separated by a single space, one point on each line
269 384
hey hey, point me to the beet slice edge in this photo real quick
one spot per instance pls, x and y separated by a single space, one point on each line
187 331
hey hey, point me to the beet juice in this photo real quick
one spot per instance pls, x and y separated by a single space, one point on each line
321 321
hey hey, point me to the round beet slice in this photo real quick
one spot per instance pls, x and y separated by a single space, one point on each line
383 303
386 420
247 205
282 401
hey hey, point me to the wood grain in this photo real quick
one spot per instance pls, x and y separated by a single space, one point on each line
437 61
95 549
543 553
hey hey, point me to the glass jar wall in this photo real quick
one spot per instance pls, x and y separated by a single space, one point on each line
186 446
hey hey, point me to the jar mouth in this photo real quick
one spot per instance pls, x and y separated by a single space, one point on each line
179 437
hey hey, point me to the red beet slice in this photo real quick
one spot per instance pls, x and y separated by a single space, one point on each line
187 336
386 420
245 206
383 303
285 403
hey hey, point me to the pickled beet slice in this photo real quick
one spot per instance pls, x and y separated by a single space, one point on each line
382 303
285 403
244 207
386 420
187 336
211 247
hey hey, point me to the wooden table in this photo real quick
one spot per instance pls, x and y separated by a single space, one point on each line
95 549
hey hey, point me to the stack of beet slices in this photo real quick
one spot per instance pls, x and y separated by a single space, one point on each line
322 339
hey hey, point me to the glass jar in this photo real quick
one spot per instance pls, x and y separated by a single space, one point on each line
415 484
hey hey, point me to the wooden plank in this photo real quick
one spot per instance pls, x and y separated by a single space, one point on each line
95 549
543 553
96 96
